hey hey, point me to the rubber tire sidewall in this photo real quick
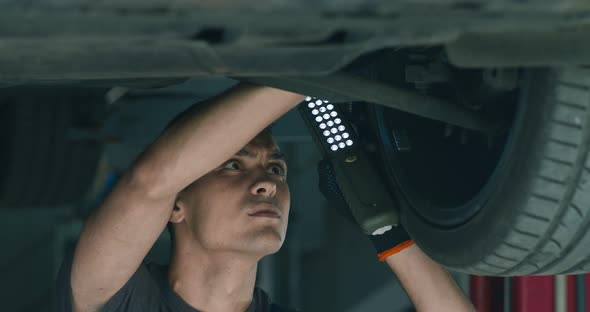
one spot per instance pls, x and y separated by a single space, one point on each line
463 246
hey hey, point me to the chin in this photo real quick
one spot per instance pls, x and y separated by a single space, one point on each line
265 243
273 249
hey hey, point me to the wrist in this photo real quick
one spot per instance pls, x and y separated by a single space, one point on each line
396 251
391 242
287 97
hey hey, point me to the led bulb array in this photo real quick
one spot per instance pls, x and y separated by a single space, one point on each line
328 121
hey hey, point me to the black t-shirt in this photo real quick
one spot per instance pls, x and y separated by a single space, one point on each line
147 291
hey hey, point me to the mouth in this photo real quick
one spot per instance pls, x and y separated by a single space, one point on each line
265 210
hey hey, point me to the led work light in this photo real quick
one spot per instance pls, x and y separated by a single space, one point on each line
370 202
335 132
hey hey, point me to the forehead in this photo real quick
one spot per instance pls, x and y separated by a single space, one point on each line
263 145
263 141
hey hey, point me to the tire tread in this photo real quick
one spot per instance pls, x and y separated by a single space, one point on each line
562 221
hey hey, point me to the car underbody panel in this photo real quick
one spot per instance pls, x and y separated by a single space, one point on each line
65 42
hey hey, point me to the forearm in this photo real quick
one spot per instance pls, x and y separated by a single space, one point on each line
209 133
429 285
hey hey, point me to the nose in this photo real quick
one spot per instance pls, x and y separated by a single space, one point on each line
265 187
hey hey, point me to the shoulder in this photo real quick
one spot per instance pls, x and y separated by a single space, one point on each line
277 308
264 303
141 288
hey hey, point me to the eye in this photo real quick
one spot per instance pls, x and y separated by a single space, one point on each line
278 170
232 165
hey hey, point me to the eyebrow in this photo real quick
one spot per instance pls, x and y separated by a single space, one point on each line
275 155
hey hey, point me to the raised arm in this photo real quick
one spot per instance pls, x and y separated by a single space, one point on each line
429 285
119 234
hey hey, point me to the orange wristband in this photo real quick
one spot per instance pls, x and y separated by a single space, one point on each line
383 255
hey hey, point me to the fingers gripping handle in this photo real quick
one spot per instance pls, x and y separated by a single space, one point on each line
369 201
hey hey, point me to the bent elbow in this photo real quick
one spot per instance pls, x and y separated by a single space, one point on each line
147 181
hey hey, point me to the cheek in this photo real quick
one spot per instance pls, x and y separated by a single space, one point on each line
285 197
210 200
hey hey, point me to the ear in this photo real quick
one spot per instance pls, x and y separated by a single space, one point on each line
179 210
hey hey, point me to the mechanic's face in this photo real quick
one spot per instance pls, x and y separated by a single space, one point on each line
243 205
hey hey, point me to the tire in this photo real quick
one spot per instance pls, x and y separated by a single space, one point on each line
533 213
41 165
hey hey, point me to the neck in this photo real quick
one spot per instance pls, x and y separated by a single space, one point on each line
212 281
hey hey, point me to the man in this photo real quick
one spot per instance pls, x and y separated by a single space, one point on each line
221 181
